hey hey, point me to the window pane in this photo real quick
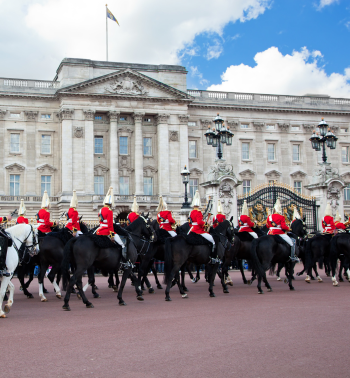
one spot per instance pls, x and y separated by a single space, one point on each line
193 187
14 185
14 143
244 126
245 151
270 127
148 186
99 185
192 145
192 124
123 145
98 145
147 146
296 152
46 144
345 154
270 151
347 193
46 116
297 186
46 185
124 186
246 186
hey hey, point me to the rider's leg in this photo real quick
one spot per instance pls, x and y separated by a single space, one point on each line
172 233
213 252
120 242
293 258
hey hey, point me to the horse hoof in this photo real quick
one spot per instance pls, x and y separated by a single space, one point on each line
328 275
319 279
151 290
43 299
30 296
226 291
96 295
79 296
260 292
115 289
168 299
66 308
212 295
142 288
279 279
269 290
7 309
140 298
95 287
90 305
341 280
298 274
110 286
59 296
122 303
3 316
160 287
291 288
184 296
185 288
285 281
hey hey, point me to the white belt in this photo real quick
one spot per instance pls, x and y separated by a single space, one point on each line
69 221
195 224
243 227
166 221
276 228
103 225
41 221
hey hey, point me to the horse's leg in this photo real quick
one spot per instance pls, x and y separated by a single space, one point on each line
278 273
138 290
117 281
212 270
240 264
79 283
183 271
20 276
91 282
289 273
4 283
154 270
41 275
126 274
110 281
224 273
341 267
198 276
9 303
188 268
70 287
319 279
51 277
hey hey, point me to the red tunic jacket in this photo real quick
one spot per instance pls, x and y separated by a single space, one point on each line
219 218
276 224
132 217
22 219
328 224
245 224
340 225
73 220
165 220
106 221
3 219
197 223
44 221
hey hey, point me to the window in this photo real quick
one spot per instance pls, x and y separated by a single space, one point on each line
14 185
345 154
148 186
295 128
99 185
45 116
15 115
192 146
297 186
193 187
147 120
123 118
124 186
98 145
14 143
245 151
46 185
46 144
192 124
98 118
347 193
270 127
123 145
271 152
244 126
147 146
246 186
296 152
344 130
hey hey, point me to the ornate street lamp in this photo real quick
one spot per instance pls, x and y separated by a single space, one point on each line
219 135
185 173
327 138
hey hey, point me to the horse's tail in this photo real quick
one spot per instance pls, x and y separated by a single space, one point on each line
333 254
168 260
67 255
308 256
259 270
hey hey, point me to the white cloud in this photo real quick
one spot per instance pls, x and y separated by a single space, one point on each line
197 74
215 50
324 3
275 73
35 35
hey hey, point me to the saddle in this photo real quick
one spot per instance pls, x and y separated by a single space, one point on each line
280 240
162 235
196 239
103 242
244 236
64 235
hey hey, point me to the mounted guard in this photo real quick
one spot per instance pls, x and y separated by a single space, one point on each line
165 218
21 212
296 215
277 226
106 220
134 212
43 216
338 223
73 216
219 217
3 247
327 221
245 223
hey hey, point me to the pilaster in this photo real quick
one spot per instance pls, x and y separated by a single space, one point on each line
138 153
113 150
183 121
30 178
163 153
88 164
2 150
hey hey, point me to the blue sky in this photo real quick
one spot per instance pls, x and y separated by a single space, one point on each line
262 46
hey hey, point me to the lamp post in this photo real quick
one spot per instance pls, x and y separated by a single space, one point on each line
185 173
219 135
327 138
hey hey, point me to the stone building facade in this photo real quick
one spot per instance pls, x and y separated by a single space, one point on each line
134 127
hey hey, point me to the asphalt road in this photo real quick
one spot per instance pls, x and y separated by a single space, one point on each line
242 334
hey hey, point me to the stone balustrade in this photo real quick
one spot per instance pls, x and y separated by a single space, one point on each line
5 82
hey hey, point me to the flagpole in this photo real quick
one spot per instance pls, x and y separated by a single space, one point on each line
106 35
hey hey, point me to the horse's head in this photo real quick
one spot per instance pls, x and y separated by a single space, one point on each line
144 226
299 228
83 227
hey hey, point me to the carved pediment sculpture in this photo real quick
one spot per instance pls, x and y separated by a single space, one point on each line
126 86
15 167
47 168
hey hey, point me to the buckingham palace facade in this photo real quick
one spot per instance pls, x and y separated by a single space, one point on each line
135 127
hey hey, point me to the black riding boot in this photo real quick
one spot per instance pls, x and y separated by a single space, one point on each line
214 259
293 258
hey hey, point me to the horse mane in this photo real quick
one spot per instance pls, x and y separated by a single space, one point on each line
18 229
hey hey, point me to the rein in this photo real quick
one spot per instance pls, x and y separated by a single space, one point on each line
29 248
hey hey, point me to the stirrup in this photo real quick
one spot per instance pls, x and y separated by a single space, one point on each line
294 259
4 273
127 265
214 260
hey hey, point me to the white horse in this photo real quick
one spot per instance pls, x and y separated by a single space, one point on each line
20 233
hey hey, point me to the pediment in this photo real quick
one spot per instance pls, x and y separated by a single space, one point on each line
298 174
273 173
15 167
345 177
126 83
247 173
196 171
99 169
47 167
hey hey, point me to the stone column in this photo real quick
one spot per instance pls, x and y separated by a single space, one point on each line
66 116
88 163
138 153
113 150
30 174
183 120
261 162
163 153
2 150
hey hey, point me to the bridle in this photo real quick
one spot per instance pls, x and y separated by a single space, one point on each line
30 248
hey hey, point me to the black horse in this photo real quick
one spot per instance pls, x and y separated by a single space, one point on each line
178 251
84 253
340 249
266 252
